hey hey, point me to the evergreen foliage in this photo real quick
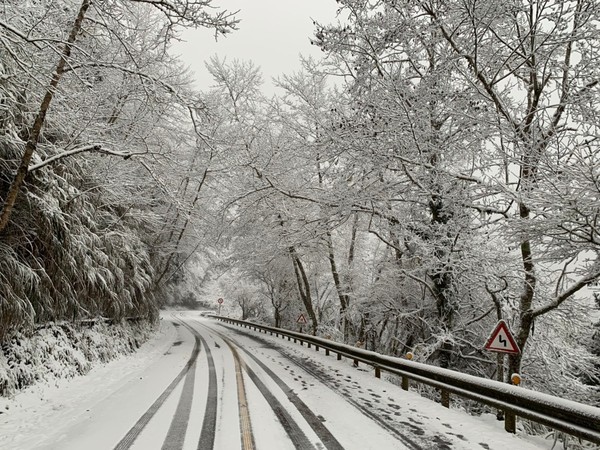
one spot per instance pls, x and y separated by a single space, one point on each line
96 120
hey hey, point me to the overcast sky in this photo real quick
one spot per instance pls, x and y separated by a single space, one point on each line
272 34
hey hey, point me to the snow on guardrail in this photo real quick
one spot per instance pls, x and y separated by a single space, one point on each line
564 415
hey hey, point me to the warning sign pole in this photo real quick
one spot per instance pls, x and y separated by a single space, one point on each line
500 377
502 341
301 321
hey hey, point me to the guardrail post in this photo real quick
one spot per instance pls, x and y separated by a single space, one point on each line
377 372
316 347
445 398
510 422
405 383
339 356
510 418
308 344
326 352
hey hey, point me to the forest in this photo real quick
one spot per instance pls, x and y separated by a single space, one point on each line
436 171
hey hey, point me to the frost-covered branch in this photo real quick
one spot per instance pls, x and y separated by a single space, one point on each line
559 299
98 148
18 33
193 13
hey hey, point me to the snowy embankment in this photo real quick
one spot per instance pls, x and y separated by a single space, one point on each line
57 351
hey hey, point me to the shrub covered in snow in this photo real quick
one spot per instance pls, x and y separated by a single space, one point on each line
65 350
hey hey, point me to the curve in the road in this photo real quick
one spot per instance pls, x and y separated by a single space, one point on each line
177 430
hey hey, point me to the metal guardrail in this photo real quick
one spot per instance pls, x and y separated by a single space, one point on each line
568 416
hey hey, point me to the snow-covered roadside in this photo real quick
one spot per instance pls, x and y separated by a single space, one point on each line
65 350
29 416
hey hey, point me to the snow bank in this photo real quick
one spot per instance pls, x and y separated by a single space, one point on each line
65 350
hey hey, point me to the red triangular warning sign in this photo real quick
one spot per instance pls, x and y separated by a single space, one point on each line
502 340
301 319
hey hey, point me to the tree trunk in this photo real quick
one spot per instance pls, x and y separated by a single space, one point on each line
348 277
277 318
442 276
36 130
529 284
344 300
304 289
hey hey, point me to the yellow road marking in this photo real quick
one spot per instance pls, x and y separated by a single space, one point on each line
245 423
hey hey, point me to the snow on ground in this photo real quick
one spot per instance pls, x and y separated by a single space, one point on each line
95 411
36 417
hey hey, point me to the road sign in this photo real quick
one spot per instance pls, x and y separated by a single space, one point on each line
220 301
501 340
301 320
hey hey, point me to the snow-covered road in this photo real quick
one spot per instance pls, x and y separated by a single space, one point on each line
200 384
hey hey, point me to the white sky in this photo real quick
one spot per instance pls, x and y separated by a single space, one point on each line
272 34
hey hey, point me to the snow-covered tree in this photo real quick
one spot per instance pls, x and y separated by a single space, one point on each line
477 124
80 81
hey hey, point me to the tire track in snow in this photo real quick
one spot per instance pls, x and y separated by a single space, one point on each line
247 438
297 436
366 411
209 424
176 434
139 426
